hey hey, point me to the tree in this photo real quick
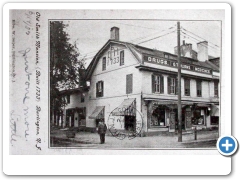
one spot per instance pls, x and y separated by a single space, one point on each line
64 65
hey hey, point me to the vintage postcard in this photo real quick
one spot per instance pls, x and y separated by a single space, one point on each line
98 79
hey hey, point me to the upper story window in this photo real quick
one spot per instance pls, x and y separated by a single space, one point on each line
121 58
129 83
67 99
157 84
99 89
199 88
216 88
172 85
104 63
187 87
82 98
115 51
166 56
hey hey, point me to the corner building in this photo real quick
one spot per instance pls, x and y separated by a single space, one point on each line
137 86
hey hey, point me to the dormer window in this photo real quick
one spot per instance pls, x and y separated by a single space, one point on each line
121 58
104 64
166 56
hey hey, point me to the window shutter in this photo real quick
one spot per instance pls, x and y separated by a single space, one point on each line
161 84
97 89
185 86
68 98
129 84
102 93
176 85
153 84
169 83
104 64
121 58
197 87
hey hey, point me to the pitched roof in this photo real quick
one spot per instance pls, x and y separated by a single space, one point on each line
94 62
144 50
187 60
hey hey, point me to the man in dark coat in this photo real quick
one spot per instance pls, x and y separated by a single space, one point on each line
102 128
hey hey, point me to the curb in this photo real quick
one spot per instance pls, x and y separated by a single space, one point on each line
200 140
73 140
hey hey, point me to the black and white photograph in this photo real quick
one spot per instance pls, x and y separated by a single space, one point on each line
91 87
115 84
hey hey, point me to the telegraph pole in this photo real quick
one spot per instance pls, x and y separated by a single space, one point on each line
179 86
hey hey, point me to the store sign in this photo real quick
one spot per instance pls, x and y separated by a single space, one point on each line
171 63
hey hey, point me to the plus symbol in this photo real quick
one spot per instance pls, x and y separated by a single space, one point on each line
227 145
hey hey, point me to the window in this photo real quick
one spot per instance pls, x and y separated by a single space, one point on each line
172 85
216 88
157 84
115 51
129 83
82 98
68 99
121 58
198 117
187 87
199 88
104 64
158 117
99 89
166 56
214 120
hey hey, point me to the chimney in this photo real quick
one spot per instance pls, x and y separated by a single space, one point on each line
202 51
114 33
186 50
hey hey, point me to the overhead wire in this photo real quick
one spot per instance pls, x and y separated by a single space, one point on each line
199 37
197 40
137 39
157 37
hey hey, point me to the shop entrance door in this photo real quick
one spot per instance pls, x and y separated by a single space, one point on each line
172 122
130 123
188 119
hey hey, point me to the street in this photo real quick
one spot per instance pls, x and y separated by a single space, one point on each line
206 139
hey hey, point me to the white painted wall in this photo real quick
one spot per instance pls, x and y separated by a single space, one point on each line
205 89
193 88
147 88
114 78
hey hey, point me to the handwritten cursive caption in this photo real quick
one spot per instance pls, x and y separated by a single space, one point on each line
30 25
38 82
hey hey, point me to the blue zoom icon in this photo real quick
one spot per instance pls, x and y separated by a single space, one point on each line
227 145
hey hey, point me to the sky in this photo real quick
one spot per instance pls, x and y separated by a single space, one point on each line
91 35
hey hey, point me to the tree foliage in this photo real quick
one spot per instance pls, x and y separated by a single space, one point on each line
64 63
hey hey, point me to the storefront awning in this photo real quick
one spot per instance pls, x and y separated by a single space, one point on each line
171 104
203 105
127 108
214 110
98 113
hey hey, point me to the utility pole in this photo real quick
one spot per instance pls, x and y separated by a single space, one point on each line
179 86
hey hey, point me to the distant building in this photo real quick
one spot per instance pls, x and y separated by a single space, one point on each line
126 76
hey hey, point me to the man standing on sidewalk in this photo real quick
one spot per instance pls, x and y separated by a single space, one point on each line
102 128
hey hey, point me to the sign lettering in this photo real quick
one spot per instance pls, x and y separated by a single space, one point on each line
172 63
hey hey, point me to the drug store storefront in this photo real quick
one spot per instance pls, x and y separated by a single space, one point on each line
162 115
